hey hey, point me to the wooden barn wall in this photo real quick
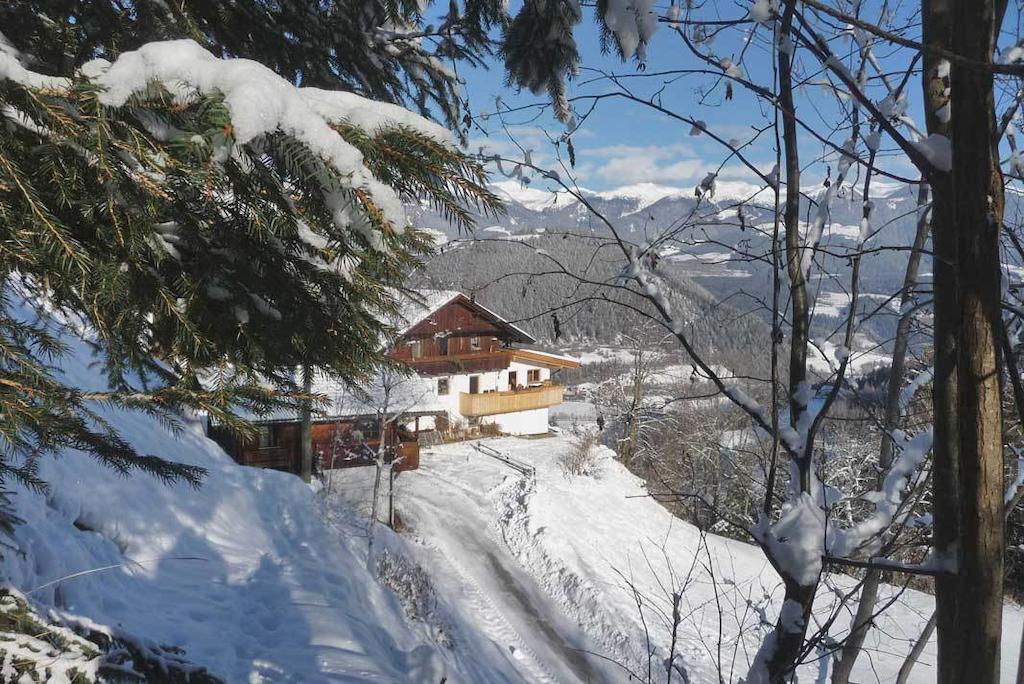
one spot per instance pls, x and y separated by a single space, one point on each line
286 452
460 322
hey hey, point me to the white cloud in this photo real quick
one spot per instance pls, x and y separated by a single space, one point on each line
674 164
658 151
600 167
626 170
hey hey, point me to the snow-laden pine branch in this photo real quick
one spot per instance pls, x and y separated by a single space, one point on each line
260 103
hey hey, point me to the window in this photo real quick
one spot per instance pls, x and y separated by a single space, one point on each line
416 348
442 344
266 437
442 386
533 376
474 384
512 380
369 428
474 343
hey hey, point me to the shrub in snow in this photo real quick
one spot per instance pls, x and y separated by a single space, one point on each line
584 457
411 584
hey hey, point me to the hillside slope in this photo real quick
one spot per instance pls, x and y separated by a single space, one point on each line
581 554
241 573
516 277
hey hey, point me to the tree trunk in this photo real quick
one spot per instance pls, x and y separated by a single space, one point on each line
306 467
937 29
977 187
391 496
916 650
1020 660
371 529
789 641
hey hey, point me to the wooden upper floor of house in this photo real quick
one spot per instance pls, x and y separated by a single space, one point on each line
451 333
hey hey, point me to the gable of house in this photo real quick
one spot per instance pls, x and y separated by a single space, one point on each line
456 326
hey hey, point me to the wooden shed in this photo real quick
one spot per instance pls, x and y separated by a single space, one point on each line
338 442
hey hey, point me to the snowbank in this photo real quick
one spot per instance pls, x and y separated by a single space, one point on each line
241 572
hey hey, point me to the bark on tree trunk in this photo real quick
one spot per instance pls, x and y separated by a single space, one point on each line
1020 660
391 496
937 29
916 650
789 638
977 188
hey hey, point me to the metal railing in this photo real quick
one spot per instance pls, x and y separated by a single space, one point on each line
519 466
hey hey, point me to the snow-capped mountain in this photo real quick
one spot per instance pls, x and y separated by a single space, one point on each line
642 194
649 207
722 241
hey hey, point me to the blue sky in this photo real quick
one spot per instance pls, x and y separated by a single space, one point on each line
624 143
620 143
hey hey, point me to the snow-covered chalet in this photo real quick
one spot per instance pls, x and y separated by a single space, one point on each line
471 371
477 370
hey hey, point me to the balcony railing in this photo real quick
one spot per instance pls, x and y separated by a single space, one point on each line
524 399
474 362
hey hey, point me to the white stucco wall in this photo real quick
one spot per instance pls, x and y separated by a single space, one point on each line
521 370
519 423
534 422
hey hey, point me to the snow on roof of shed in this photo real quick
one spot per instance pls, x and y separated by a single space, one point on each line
388 392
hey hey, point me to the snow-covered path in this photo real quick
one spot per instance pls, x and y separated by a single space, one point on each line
453 506
458 523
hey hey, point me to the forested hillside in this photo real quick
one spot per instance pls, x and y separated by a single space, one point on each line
519 279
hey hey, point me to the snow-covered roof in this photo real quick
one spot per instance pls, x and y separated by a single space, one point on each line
529 339
390 392
417 308
545 358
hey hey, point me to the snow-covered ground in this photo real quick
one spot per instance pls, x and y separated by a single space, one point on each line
824 357
549 566
455 506
242 572
675 377
545 579
602 355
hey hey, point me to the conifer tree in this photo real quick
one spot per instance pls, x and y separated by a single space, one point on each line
208 224
381 49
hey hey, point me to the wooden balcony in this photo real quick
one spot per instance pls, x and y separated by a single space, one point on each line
524 399
454 364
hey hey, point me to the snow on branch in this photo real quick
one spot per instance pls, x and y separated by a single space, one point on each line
12 69
794 541
888 499
938 150
919 381
259 103
821 213
632 22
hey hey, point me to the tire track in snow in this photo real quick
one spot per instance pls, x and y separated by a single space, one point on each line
463 522
492 618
